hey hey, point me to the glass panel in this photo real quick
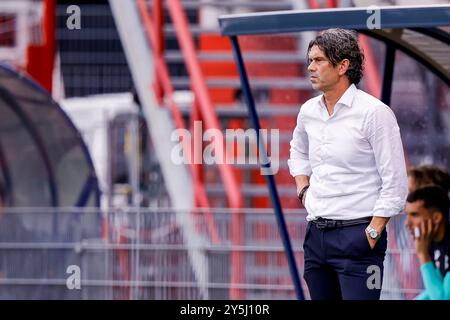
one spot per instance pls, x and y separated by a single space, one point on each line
63 146
432 48
421 102
30 184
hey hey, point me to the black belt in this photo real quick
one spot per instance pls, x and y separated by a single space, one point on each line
322 223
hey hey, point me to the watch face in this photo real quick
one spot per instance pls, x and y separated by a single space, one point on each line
373 234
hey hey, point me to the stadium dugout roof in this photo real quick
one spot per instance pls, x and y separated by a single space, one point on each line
43 159
420 31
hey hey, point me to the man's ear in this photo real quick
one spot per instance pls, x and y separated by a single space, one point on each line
437 217
343 67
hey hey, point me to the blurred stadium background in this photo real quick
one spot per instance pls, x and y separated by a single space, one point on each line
86 117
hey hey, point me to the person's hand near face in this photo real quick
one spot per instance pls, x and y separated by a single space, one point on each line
427 220
422 228
422 243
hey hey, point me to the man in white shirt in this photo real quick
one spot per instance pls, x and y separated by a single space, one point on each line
348 163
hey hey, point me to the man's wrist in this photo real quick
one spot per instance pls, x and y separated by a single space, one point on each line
302 192
301 187
379 223
423 257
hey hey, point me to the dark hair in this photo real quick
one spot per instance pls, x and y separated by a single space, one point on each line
434 198
339 44
430 175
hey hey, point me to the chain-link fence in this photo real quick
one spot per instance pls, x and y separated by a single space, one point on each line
164 254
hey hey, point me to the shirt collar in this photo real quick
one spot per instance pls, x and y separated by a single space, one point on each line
346 99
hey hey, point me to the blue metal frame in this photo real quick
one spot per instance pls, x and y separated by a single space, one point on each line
347 18
422 19
265 163
388 75
86 191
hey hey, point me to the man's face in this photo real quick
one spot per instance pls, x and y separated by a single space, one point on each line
416 213
323 75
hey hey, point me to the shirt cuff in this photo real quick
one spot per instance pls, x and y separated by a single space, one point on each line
427 267
386 213
299 167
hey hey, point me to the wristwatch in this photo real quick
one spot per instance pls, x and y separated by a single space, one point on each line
373 234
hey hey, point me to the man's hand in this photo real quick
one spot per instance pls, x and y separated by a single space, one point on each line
378 223
423 241
371 241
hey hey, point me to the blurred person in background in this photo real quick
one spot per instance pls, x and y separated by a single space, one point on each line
420 176
427 220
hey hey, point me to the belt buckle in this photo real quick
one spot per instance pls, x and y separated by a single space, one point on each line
320 224
332 223
324 224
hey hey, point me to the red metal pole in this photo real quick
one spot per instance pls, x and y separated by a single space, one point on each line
163 74
331 4
201 91
158 18
198 82
40 58
313 4
370 71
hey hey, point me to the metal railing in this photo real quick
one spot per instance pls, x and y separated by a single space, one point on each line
145 255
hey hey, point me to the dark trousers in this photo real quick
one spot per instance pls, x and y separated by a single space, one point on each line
340 264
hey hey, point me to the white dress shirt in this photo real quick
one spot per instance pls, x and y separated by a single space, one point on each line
354 158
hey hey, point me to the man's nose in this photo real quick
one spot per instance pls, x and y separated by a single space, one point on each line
311 67
407 222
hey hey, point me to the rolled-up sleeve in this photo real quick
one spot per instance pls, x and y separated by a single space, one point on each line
437 288
299 156
384 137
